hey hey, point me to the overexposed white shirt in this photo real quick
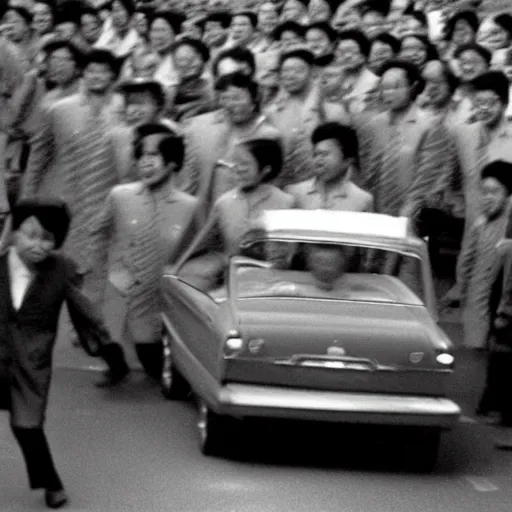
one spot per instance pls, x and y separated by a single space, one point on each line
20 276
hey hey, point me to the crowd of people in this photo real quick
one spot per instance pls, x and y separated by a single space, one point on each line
158 121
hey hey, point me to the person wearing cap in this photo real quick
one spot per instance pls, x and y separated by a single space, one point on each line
120 38
164 26
320 38
289 34
479 255
298 111
35 281
140 230
194 93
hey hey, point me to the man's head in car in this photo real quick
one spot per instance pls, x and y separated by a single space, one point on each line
327 264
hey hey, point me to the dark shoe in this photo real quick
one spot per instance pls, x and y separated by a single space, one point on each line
55 499
111 379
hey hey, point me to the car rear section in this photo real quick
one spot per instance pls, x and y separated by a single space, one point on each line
337 361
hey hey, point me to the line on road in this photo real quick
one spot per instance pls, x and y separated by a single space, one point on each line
482 484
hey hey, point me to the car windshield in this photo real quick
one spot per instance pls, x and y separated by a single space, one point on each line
329 271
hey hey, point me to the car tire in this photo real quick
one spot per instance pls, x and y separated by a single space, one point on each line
426 450
173 384
212 429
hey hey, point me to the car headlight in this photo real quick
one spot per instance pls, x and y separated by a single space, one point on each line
446 359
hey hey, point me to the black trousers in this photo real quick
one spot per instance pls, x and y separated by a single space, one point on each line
38 459
151 358
497 395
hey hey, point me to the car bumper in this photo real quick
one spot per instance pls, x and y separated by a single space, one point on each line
243 400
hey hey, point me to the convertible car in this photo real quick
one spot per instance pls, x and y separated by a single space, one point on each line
324 316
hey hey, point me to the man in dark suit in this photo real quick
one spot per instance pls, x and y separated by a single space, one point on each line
34 283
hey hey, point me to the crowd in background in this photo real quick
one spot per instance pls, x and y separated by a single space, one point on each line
392 106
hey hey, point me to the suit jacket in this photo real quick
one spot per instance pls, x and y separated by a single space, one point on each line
346 197
129 211
421 155
27 336
55 141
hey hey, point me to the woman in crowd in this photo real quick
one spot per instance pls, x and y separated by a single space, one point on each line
418 50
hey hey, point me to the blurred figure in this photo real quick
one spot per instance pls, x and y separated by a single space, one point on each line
383 47
327 265
268 18
418 50
90 25
295 10
289 35
242 30
320 38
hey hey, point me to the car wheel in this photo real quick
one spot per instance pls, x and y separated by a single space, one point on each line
173 384
211 428
426 451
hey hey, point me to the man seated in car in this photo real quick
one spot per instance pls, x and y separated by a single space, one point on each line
327 265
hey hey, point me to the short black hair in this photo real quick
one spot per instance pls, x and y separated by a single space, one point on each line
171 147
240 81
495 81
239 54
53 215
499 170
57 44
358 37
473 47
387 39
470 17
222 17
505 22
325 27
268 153
412 73
100 56
345 136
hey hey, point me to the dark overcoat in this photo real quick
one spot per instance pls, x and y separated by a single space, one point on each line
27 335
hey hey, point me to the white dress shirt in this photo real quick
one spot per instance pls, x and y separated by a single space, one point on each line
20 276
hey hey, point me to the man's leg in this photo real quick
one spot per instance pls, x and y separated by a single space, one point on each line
151 358
38 459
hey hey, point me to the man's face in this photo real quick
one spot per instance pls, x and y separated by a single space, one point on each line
66 31
98 77
141 108
326 264
494 196
267 18
472 64
395 89
120 16
330 163
152 168
188 62
318 42
43 18
241 30
379 54
295 75
293 10
349 54
489 107
61 67
214 34
32 242
90 28
16 28
331 78
290 39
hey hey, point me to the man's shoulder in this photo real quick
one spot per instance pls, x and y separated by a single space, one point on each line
127 190
301 188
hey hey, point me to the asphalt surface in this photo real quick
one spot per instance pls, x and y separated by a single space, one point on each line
130 450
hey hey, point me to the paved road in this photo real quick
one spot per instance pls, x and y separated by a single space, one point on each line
129 450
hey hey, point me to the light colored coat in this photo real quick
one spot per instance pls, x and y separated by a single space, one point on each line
345 197
127 216
420 152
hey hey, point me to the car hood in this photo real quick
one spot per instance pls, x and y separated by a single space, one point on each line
386 333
